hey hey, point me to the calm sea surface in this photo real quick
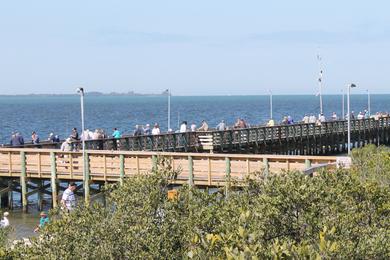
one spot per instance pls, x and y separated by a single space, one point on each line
58 114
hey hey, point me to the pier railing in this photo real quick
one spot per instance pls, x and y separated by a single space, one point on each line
112 166
233 140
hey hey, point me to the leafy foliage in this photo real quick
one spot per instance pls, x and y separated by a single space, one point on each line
336 214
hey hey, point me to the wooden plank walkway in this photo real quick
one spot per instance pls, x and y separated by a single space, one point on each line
298 139
30 171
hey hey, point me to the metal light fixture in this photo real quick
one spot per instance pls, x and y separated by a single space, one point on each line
349 116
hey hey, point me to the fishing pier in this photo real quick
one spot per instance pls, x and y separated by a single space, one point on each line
41 171
206 159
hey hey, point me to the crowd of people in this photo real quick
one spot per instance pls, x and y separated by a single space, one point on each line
139 130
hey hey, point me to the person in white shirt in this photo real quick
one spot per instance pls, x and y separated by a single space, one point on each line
193 127
334 116
156 129
183 127
4 222
312 119
360 116
305 119
68 200
321 117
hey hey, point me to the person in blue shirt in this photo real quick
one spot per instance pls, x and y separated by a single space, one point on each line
116 134
42 221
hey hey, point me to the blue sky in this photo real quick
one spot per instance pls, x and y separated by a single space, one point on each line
193 47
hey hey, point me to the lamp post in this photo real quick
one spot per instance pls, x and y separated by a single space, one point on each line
368 103
169 109
85 175
349 116
270 104
342 105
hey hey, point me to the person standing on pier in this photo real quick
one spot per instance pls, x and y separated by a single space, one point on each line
137 131
183 127
156 129
16 139
322 118
147 130
193 127
34 138
221 126
116 134
204 126
68 200
334 116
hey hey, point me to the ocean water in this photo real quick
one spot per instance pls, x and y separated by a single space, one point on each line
59 114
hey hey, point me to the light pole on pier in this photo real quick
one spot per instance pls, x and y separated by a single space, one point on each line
342 105
270 104
349 116
85 175
368 103
169 108
320 81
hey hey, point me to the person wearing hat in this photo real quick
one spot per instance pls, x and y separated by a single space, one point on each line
66 145
42 221
4 221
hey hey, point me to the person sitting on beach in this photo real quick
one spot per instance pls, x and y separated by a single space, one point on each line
42 221
116 134
4 221
183 127
156 129
137 131
221 126
203 126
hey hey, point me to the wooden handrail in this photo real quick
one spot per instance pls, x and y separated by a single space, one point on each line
111 166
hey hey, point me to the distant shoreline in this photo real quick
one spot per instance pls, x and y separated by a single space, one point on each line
92 93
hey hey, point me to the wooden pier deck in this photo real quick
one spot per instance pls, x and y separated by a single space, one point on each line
297 139
24 170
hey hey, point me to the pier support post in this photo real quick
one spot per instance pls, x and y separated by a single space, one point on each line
10 195
307 163
227 177
40 195
154 162
23 180
266 167
190 171
86 179
121 168
53 179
